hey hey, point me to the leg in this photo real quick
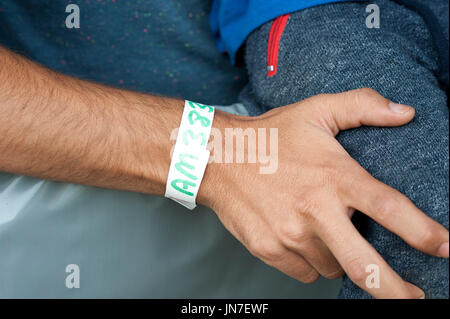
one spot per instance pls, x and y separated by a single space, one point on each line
329 49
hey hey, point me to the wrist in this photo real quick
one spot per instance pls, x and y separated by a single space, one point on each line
218 175
146 129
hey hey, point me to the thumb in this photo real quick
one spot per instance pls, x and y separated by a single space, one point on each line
364 107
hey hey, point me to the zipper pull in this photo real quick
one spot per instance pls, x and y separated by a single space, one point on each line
275 34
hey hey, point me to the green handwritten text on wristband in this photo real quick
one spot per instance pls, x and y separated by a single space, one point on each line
180 167
181 163
204 121
193 136
201 106
185 183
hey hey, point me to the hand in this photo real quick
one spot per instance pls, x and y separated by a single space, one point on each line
298 219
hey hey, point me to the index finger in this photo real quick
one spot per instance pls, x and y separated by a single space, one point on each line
396 212
364 265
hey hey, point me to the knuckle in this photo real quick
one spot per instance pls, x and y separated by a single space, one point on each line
308 208
356 271
267 250
367 91
310 277
384 206
428 238
363 94
292 232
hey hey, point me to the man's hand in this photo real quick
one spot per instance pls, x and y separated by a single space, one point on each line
298 219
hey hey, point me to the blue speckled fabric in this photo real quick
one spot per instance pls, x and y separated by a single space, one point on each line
162 47
400 61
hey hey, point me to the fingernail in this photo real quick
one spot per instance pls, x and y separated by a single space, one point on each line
443 250
399 108
423 297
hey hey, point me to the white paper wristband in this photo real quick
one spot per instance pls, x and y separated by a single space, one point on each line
190 156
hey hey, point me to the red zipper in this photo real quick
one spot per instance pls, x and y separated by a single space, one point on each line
276 31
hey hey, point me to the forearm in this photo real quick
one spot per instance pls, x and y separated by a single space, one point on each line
56 127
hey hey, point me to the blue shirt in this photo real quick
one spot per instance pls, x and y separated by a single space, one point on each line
233 20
